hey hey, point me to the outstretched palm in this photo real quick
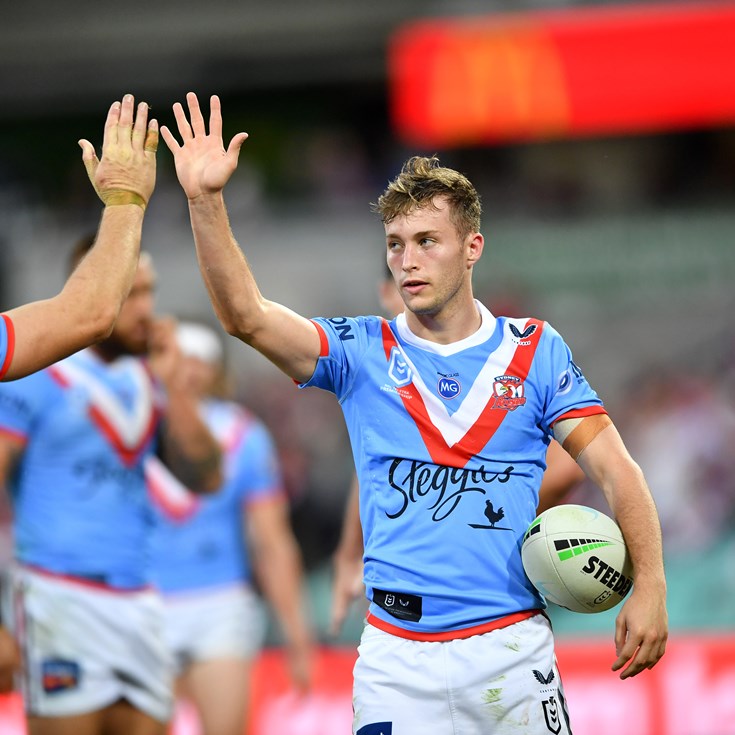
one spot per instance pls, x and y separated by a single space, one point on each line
202 163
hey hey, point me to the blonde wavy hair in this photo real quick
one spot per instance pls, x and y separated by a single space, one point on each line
420 181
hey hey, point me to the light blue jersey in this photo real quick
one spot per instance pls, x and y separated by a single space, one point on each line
449 442
199 541
7 343
79 500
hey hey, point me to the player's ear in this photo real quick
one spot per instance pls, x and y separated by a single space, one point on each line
475 246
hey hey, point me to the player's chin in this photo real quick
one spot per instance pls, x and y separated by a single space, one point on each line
422 307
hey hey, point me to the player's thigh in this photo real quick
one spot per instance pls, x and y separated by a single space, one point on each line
219 689
87 724
122 718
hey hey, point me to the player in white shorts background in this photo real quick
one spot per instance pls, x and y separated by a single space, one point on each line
73 440
450 410
35 335
208 552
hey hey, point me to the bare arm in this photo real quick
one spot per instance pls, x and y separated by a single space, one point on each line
277 564
85 311
347 560
561 476
641 627
10 452
203 167
189 449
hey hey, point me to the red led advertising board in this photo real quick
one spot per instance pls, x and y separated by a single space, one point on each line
565 73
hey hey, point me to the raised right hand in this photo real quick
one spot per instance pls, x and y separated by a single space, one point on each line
126 174
202 163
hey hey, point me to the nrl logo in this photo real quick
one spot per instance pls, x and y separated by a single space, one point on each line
508 392
398 369
551 715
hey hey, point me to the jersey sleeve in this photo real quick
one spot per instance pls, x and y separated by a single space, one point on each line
7 343
568 394
344 343
255 469
21 402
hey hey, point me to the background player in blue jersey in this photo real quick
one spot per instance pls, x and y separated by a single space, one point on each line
37 334
208 551
450 411
73 440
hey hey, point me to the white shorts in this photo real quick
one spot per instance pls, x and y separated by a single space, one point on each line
85 647
498 683
223 622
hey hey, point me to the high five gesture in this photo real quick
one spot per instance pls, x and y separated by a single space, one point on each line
204 167
41 333
202 163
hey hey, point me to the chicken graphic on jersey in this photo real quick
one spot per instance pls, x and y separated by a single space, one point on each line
493 515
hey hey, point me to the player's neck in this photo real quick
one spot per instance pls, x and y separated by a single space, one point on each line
456 321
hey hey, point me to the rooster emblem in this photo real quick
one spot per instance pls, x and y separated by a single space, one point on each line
493 515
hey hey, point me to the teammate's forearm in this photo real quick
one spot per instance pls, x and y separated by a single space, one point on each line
191 452
85 310
103 278
280 575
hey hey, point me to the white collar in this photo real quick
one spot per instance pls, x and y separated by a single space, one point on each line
485 331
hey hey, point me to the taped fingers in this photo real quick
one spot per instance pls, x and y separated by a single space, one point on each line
151 137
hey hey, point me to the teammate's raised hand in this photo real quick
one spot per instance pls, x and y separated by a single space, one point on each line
126 174
202 163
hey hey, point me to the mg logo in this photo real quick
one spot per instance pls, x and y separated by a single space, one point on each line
399 371
449 388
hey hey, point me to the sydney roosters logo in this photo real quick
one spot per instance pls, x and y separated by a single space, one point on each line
508 392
